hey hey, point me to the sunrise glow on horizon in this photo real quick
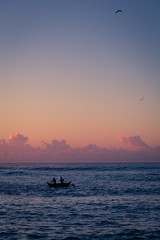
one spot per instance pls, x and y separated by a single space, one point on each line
76 71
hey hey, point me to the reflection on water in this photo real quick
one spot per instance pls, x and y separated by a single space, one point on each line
109 202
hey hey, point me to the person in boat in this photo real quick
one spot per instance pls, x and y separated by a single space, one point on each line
54 180
61 180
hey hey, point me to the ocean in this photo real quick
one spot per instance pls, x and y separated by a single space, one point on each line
106 201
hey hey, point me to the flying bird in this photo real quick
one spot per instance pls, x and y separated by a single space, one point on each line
140 100
119 11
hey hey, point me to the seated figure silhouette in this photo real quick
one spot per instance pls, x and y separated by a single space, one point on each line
61 180
54 180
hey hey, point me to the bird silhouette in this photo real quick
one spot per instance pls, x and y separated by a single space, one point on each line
140 100
119 11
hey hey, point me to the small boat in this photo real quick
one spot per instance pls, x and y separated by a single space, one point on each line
56 185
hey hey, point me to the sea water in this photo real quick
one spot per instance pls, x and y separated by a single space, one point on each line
106 201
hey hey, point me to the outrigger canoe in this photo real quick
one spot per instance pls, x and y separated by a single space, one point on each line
56 185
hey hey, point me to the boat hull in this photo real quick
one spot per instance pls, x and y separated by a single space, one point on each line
57 185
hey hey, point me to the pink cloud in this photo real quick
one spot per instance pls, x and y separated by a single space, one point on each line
16 149
56 146
2 141
134 141
91 148
17 139
111 134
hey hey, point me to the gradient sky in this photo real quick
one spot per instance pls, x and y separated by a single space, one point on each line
73 70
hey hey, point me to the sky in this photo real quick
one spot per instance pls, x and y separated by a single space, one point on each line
78 77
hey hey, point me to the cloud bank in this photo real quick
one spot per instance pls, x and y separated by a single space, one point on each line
16 149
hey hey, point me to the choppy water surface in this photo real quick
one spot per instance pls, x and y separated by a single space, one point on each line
109 201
